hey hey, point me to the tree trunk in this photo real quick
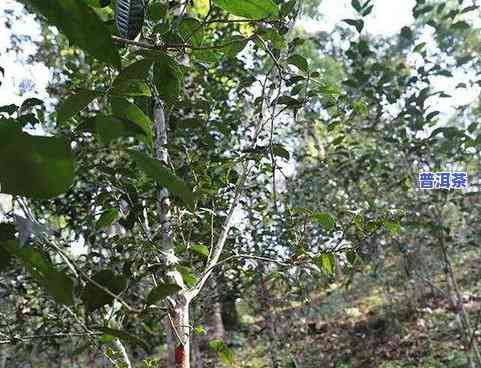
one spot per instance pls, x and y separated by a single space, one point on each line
180 329
178 343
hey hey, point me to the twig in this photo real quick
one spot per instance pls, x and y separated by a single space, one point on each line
169 46
269 52
16 339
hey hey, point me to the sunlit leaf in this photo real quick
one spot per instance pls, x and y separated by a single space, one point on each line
252 9
325 220
224 353
76 20
200 249
107 218
327 263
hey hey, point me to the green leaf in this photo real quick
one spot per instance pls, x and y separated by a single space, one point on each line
393 227
107 218
122 335
289 101
367 11
157 11
432 115
271 34
200 330
109 128
469 9
252 9
31 102
122 108
419 47
418 11
71 106
9 109
138 70
98 3
288 7
76 20
281 151
162 291
357 23
200 249
163 176
234 46
130 88
207 56
33 166
223 352
191 31
327 263
325 220
460 26
356 4
168 78
60 286
94 297
57 283
299 61
188 276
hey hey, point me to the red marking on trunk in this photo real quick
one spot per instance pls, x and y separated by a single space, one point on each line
179 356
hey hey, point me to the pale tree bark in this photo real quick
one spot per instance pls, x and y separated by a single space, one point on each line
178 320
180 327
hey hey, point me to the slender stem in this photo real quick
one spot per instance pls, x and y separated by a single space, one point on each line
168 46
16 339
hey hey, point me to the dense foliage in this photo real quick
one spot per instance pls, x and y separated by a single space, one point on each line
206 177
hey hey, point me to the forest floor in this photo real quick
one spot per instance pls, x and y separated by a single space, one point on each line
381 322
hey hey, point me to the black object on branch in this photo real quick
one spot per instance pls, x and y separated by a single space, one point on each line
129 17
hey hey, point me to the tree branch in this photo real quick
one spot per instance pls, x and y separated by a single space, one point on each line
170 46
